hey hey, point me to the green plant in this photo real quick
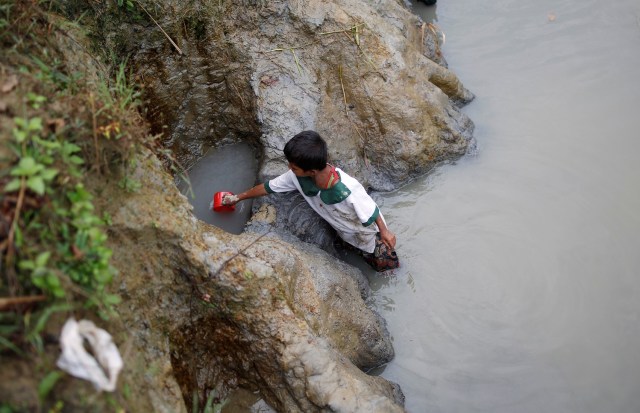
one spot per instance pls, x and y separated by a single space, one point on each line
54 256
35 100
35 329
118 95
126 3
6 408
54 73
47 383
66 257
5 13
8 326
32 170
127 183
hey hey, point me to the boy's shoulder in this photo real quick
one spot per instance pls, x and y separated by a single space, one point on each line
349 180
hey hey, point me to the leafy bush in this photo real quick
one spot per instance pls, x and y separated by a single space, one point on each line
60 128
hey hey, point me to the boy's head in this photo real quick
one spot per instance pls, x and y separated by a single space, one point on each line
307 150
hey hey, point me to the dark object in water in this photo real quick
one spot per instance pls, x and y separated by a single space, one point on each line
429 2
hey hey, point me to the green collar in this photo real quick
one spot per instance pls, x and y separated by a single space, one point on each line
308 185
336 194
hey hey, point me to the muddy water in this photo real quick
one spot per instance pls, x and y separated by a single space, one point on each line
230 168
520 290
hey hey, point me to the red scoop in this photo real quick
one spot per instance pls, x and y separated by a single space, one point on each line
217 202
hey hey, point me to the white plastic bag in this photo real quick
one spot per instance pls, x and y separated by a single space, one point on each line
101 370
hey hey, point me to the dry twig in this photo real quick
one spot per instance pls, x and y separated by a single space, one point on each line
352 28
11 278
9 303
163 32
240 252
297 62
94 118
344 95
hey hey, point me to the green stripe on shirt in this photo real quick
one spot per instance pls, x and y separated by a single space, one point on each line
373 218
268 188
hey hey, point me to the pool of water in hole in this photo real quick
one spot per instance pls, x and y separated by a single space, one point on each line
230 168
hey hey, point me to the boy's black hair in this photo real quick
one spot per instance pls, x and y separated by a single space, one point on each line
307 150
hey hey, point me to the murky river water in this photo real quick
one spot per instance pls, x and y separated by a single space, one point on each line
520 286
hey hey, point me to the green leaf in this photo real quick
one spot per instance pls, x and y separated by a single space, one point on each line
126 391
27 265
76 160
35 124
68 148
19 239
20 135
4 343
35 98
45 317
48 174
47 143
46 385
112 299
96 234
20 122
103 277
80 194
39 281
53 285
36 183
82 237
42 258
45 159
14 185
26 167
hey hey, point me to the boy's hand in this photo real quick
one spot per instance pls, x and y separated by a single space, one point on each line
388 238
230 200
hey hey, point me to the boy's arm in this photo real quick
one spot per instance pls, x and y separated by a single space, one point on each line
386 236
254 192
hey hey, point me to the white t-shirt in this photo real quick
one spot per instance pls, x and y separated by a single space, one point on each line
346 206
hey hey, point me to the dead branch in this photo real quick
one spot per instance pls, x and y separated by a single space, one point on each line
10 303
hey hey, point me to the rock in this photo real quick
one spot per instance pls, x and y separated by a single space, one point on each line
342 90
296 217
250 310
368 76
270 70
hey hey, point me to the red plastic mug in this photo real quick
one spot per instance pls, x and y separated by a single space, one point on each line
217 202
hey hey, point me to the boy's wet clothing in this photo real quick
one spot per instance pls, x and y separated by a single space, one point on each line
346 206
382 258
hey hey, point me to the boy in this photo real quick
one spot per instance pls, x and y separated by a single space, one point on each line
337 197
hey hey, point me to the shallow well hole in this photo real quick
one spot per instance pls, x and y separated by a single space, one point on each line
230 168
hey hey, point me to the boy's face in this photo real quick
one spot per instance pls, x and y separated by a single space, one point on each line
297 171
